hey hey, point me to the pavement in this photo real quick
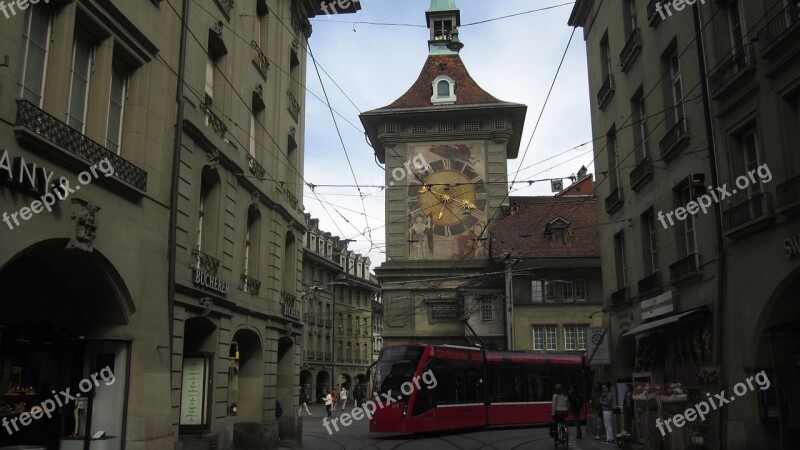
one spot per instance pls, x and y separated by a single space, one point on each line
357 436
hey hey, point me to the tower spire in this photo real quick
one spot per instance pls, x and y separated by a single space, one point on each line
443 18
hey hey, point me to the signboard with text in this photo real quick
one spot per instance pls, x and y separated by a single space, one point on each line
193 391
599 353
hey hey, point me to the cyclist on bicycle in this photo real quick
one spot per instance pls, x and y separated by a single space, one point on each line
560 405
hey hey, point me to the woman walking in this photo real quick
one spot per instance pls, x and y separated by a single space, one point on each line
328 399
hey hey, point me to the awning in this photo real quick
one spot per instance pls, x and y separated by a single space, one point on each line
665 321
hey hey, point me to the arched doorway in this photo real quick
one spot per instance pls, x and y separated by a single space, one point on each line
361 388
57 306
199 347
246 389
285 382
323 385
778 355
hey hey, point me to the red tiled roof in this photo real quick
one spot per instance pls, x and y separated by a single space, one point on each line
467 90
522 233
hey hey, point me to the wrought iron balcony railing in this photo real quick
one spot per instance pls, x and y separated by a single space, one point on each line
754 208
781 25
260 60
206 262
737 62
650 283
620 296
256 169
674 139
686 266
226 6
631 50
654 17
788 193
59 133
294 106
641 173
606 92
614 200
212 119
250 285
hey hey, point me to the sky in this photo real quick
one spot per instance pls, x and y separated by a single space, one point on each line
515 59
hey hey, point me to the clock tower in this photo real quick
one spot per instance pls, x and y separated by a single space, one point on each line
445 144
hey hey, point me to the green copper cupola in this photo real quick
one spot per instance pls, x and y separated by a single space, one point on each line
444 18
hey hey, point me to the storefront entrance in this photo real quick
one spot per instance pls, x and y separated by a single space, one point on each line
62 378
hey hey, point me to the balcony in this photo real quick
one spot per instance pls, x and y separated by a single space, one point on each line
250 285
213 120
749 216
650 283
614 201
778 30
34 120
654 17
226 6
206 262
606 92
260 60
642 173
789 197
675 140
734 67
256 169
294 106
621 296
631 50
685 268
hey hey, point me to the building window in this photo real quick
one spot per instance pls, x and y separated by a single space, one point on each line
605 57
580 290
575 337
252 146
444 92
537 291
630 16
550 291
650 244
116 108
736 26
82 53
621 260
749 145
613 159
206 211
35 47
640 125
551 338
567 291
538 338
674 63
688 224
487 309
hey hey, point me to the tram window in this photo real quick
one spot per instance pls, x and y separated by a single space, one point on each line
507 385
464 384
537 383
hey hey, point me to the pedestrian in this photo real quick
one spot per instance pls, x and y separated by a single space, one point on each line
597 394
607 403
559 407
343 397
303 402
576 405
328 399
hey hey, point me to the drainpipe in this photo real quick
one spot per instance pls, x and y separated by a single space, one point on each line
172 250
712 160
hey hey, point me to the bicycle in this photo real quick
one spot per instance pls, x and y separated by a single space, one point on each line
560 434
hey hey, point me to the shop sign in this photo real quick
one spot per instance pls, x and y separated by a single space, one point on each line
791 246
599 353
209 281
658 305
449 311
27 176
290 311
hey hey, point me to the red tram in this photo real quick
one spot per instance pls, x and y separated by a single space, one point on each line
469 388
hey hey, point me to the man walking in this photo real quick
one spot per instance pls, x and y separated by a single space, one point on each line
303 402
575 406
597 394
607 402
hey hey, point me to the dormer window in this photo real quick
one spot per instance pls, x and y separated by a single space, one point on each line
558 231
444 91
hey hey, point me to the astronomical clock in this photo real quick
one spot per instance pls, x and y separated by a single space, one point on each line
447 207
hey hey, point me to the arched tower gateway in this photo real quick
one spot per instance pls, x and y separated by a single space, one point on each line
445 144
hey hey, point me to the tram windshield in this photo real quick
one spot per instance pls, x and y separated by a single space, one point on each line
396 366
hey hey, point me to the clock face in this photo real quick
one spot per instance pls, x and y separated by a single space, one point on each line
453 195
597 339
